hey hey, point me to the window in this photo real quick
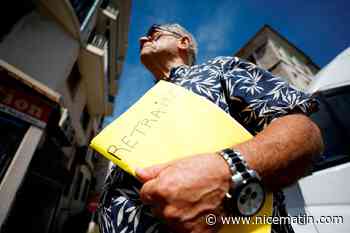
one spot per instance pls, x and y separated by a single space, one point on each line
86 190
85 118
67 187
12 132
295 61
74 80
78 185
282 53
104 4
111 98
292 60
260 52
306 70
334 122
82 8
251 59
95 157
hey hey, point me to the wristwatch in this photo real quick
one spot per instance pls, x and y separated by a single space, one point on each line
247 194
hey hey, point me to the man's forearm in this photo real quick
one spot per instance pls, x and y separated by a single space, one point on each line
283 151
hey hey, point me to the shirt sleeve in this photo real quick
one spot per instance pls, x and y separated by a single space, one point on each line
255 96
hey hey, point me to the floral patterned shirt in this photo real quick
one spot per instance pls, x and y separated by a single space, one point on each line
253 96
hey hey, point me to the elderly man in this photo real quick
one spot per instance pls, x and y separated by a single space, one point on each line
174 197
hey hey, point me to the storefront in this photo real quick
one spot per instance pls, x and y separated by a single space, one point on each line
32 172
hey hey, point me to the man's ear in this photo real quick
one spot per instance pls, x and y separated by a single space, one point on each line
184 43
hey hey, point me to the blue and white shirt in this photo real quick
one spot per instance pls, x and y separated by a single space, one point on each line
253 96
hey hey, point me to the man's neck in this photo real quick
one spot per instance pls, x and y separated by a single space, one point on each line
162 70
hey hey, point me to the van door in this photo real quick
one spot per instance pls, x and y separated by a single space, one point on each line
325 195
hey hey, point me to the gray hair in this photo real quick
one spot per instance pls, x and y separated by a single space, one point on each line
192 50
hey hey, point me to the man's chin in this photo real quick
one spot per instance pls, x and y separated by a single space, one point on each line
145 58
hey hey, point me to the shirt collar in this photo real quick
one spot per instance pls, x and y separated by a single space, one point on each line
178 71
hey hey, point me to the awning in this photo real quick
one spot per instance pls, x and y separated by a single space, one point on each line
31 82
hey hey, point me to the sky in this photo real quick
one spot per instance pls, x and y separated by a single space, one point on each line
319 28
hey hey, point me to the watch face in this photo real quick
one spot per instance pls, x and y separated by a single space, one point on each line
250 198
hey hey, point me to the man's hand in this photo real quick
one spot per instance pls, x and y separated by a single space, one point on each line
184 191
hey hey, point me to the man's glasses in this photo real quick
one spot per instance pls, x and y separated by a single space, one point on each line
157 27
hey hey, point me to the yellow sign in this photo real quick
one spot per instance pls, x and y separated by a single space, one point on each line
168 123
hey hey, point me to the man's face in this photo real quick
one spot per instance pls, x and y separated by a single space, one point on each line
158 45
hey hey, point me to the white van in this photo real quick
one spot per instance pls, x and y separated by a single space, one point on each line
324 196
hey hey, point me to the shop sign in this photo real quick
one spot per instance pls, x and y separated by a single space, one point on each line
27 107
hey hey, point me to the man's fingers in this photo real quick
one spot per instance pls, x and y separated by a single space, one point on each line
146 174
149 193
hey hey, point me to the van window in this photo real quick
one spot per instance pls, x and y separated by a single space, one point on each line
334 122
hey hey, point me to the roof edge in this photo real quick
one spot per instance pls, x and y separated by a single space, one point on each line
268 27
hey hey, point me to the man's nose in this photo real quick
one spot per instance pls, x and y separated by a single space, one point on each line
143 40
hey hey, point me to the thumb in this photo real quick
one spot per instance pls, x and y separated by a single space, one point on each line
149 173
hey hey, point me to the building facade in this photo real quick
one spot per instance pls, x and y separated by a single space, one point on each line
270 50
59 61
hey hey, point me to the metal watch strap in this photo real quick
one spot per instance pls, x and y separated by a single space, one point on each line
238 166
238 200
